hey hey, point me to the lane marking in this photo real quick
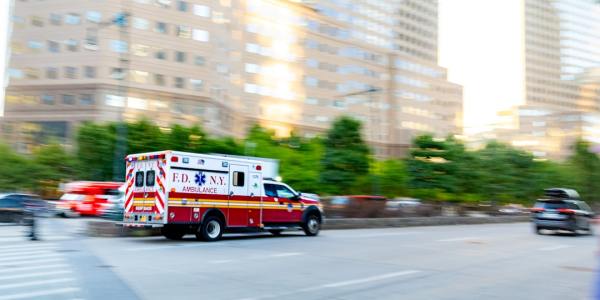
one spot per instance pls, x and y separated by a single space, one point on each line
370 235
467 238
24 253
13 251
555 247
369 279
339 284
11 270
39 293
172 246
33 261
39 274
27 245
33 283
27 257
286 254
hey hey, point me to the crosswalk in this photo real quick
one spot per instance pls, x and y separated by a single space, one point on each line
35 269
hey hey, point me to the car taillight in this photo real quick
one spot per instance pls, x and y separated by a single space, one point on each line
537 209
174 159
566 211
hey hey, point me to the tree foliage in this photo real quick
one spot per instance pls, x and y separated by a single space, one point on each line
346 156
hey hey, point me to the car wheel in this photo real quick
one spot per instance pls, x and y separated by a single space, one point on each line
537 230
173 233
312 226
276 232
211 229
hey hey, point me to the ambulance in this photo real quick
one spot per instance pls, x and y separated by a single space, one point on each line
207 195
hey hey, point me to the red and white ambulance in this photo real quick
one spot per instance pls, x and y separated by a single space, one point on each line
210 194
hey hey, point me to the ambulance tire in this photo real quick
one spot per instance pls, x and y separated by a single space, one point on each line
312 225
211 229
173 233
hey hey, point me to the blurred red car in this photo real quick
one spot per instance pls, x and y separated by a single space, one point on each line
86 198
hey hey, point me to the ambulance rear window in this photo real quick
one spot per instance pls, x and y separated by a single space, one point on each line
150 178
139 178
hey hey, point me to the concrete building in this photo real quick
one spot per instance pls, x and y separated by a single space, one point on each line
287 65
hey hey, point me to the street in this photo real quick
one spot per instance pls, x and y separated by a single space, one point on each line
499 261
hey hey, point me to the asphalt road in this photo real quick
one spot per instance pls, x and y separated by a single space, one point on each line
499 261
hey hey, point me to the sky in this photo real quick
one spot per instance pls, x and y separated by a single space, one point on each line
480 43
4 5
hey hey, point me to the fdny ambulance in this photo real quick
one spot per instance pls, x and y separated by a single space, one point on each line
207 195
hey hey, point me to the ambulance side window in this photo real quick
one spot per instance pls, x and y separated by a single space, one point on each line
238 178
139 178
270 190
150 178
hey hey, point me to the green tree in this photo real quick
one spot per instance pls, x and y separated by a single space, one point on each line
95 151
346 156
16 172
392 177
587 165
432 165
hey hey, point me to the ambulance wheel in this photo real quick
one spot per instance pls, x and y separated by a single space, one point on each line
312 225
172 233
275 232
211 229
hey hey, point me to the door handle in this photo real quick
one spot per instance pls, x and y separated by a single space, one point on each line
251 195
230 193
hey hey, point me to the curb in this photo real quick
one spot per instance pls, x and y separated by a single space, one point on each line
104 228
418 221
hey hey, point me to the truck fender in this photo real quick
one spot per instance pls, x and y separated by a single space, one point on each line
311 210
216 212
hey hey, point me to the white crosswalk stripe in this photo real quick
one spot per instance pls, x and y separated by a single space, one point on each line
35 269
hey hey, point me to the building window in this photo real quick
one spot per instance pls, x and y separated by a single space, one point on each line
201 10
72 19
180 56
53 46
197 84
89 71
179 82
201 35
47 99
140 50
68 99
51 73
87 99
161 27
163 3
252 68
140 23
70 72
161 54
37 21
199 60
91 43
182 6
55 19
114 100
159 79
139 76
94 16
184 31
31 73
311 81
72 45
118 46
35 46
15 73
117 73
